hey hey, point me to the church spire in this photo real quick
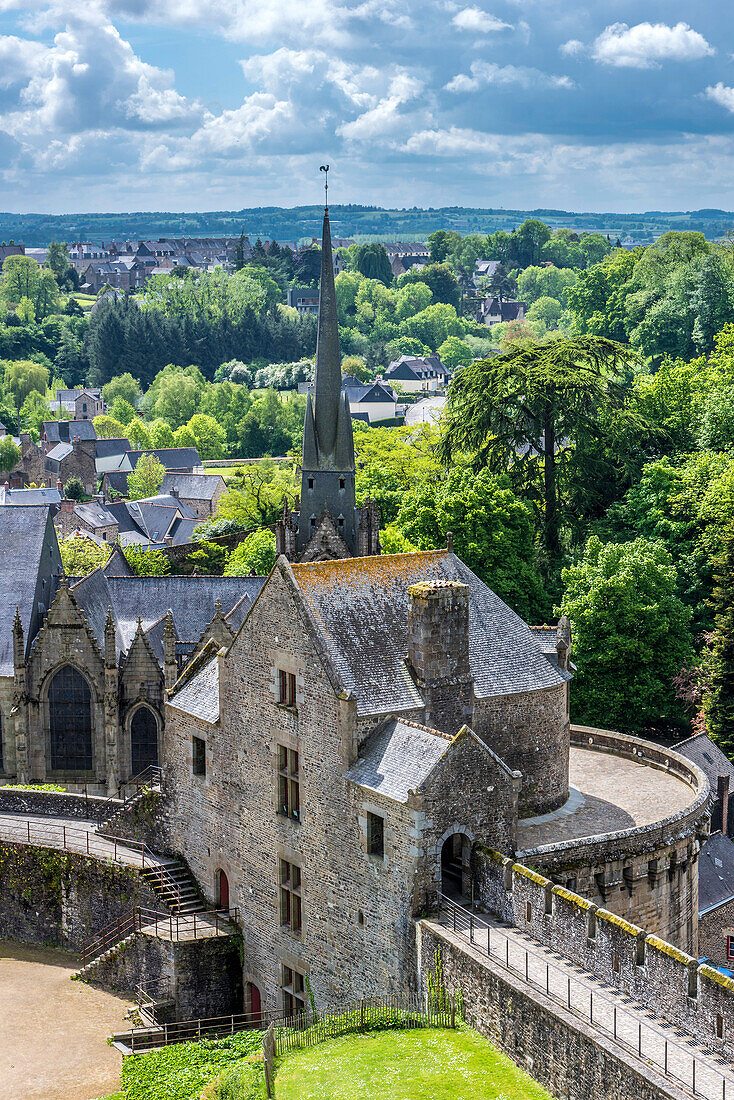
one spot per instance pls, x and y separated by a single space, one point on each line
327 384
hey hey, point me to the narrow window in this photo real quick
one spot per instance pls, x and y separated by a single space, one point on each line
286 688
293 990
310 483
376 835
289 794
290 896
199 757
528 911
719 1027
342 483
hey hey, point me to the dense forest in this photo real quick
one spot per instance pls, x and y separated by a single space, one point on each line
584 463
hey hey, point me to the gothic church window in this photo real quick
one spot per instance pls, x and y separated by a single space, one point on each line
143 740
70 721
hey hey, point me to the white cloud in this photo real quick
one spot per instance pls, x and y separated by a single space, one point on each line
386 116
311 71
573 47
479 22
484 73
723 95
646 45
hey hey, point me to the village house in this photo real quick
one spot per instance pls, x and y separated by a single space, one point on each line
418 374
200 492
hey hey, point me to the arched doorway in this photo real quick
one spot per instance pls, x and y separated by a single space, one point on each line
253 1004
222 890
70 721
455 867
143 740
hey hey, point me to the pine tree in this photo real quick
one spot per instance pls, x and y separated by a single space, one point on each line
719 707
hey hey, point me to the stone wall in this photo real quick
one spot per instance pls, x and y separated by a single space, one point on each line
647 874
204 977
714 928
60 899
530 732
54 804
557 1048
357 935
655 973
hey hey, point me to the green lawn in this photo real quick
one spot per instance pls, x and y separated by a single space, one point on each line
431 1064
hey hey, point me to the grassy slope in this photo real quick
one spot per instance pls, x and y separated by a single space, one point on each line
404 1065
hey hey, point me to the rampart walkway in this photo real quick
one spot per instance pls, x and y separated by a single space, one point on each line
636 1029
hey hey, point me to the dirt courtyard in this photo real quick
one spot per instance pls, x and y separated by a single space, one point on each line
53 1030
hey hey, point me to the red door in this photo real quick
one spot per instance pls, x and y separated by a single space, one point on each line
223 891
253 996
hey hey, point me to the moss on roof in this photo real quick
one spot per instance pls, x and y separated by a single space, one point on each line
539 880
714 975
574 899
625 925
668 949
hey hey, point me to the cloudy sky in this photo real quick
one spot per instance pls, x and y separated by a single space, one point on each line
220 104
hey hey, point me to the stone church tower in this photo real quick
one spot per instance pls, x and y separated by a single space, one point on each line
327 524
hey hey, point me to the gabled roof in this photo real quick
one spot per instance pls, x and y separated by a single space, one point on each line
172 458
192 486
398 758
116 480
95 514
715 873
23 534
59 452
708 756
191 600
65 431
24 497
372 392
200 696
111 446
361 607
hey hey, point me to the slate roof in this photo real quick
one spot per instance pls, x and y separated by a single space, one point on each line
152 519
118 565
715 873
361 607
95 514
22 534
64 431
708 756
116 481
192 486
397 759
24 497
113 446
172 458
417 367
200 696
191 600
59 452
373 392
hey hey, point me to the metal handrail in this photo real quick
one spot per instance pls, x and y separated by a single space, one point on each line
86 842
464 921
176 926
148 777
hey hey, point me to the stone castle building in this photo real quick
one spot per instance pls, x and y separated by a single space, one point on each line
344 739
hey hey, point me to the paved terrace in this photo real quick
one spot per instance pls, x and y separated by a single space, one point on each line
609 792
555 980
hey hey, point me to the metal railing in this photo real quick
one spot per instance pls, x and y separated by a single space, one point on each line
138 1039
694 1073
172 926
114 849
148 778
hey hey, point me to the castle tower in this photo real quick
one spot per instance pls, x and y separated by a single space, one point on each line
328 524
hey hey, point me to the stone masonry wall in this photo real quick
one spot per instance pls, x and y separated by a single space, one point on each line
59 899
557 1048
714 928
530 732
53 804
652 971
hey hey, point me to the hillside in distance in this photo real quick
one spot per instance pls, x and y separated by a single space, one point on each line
361 222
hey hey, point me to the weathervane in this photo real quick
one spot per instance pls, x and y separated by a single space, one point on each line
325 168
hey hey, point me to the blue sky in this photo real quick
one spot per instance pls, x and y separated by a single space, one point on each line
213 104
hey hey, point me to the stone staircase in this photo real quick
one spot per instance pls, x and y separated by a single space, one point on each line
116 810
176 886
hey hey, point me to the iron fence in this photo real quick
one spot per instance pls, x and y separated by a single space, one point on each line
173 926
693 1073
139 1039
132 853
148 778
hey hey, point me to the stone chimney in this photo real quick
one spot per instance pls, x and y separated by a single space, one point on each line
438 652
174 492
722 793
